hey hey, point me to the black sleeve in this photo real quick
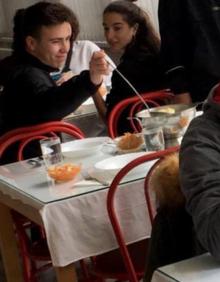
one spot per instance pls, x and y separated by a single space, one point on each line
32 96
172 240
200 180
175 40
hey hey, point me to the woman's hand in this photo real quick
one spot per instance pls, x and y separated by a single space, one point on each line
98 67
64 77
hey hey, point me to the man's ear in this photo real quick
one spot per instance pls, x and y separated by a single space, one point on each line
30 43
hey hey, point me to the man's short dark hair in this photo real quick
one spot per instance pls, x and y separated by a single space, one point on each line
29 21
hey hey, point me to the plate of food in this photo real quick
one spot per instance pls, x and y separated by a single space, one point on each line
83 147
129 142
111 166
64 172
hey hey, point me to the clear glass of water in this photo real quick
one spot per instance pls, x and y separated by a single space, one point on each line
154 138
51 151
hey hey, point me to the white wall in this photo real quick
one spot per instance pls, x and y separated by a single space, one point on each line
8 10
89 13
2 19
151 7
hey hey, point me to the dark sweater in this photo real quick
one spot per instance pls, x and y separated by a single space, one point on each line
190 44
143 71
30 95
200 175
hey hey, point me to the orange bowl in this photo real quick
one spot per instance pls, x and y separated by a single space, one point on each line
64 172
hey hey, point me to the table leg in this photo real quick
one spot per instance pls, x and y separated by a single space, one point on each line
66 273
9 250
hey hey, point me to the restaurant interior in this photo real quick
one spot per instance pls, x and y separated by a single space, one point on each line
89 229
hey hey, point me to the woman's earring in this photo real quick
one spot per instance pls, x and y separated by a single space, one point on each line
134 36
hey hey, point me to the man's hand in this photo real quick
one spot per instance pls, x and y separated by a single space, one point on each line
98 67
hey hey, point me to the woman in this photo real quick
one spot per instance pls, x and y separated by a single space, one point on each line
128 29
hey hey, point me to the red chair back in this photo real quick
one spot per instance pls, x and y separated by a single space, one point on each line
133 277
33 253
25 135
153 98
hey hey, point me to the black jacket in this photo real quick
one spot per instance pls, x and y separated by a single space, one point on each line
142 69
190 44
200 175
30 95
172 239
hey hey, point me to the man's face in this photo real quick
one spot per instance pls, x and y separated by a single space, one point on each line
53 45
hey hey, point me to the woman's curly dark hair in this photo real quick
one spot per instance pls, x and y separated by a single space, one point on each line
146 37
29 21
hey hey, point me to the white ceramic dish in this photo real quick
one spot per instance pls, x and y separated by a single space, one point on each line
112 165
199 113
174 123
83 147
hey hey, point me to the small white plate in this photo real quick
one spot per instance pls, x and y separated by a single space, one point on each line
199 113
83 147
112 165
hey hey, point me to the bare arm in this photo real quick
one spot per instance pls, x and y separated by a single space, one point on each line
184 98
99 60
64 77
100 105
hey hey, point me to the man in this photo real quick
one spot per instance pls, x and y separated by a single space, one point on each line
190 44
42 38
200 173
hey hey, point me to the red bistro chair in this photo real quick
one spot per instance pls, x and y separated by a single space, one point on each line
155 98
134 267
25 135
34 253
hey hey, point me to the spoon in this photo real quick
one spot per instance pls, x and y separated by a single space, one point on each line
112 64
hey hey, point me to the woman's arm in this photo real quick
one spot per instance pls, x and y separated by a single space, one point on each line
100 105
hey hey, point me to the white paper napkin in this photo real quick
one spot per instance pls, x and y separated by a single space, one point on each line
101 176
86 183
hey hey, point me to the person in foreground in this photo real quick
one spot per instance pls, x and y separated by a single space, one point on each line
43 34
128 29
190 43
172 236
200 173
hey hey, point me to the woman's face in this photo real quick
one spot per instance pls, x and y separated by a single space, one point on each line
118 33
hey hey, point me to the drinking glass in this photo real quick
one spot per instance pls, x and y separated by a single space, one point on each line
51 151
154 138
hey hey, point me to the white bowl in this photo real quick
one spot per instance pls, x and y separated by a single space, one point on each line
83 147
199 113
113 165
174 122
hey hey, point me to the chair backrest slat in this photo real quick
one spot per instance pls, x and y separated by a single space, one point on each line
25 135
153 98
111 203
